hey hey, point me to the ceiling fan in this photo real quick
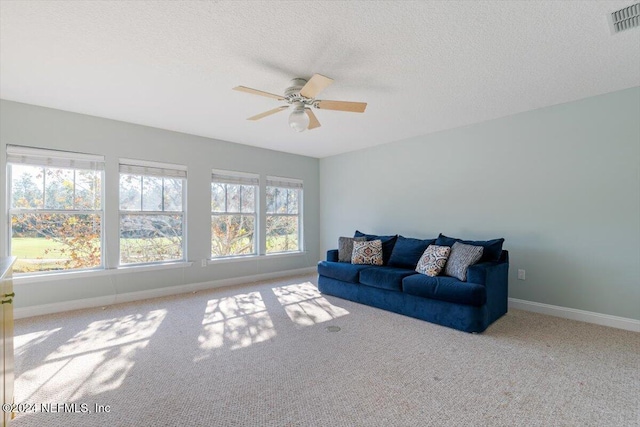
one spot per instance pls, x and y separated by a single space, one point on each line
301 95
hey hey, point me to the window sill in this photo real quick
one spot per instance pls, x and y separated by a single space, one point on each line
70 275
230 259
67 275
224 260
134 268
286 254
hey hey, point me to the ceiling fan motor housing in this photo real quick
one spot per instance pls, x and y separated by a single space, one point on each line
295 87
292 93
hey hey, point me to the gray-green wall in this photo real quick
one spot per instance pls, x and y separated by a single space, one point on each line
560 184
29 125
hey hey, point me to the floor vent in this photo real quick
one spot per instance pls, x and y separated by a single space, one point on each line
625 18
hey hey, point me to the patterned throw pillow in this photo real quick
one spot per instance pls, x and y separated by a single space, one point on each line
461 257
345 247
433 260
367 252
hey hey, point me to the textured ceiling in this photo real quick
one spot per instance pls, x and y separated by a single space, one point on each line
421 66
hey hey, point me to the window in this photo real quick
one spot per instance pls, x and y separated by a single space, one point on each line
233 214
152 216
284 215
55 209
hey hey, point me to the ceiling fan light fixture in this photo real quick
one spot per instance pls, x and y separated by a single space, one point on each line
298 119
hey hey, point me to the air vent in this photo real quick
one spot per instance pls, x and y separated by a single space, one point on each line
625 18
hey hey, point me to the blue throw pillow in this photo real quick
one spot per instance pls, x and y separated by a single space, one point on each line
407 252
492 248
388 242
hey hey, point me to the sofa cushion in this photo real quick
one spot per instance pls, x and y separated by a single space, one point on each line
345 247
462 256
407 251
388 242
445 289
367 253
433 260
492 248
385 277
341 271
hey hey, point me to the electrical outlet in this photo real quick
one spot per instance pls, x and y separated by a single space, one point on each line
204 262
521 274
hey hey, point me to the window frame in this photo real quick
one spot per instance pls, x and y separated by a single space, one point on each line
242 179
47 159
288 184
164 171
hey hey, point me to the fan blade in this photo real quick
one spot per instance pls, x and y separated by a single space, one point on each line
313 120
258 92
268 113
354 107
315 85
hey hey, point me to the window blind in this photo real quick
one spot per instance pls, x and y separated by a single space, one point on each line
234 178
154 169
273 181
61 159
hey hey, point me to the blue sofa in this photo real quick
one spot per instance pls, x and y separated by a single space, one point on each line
469 306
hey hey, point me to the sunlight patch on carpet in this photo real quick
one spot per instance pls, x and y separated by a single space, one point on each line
305 306
22 343
236 322
94 361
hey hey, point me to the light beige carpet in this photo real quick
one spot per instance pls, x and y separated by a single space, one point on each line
261 355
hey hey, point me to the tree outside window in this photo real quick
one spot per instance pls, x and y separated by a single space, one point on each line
55 209
233 214
283 215
151 213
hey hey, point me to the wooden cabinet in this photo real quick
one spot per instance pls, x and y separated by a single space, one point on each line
6 329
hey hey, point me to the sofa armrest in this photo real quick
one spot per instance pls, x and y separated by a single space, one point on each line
481 272
495 278
332 255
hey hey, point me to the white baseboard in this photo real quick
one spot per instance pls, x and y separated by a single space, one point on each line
575 314
58 307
